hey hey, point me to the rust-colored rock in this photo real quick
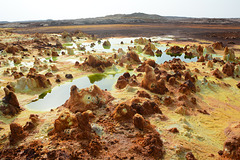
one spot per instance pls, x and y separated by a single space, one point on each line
158 52
126 110
94 147
148 50
99 63
193 100
12 49
238 85
201 59
17 75
123 111
218 45
83 121
188 76
209 50
143 94
150 82
69 76
140 123
34 118
133 56
48 74
190 156
168 100
231 148
187 87
54 54
17 60
2 46
54 68
210 64
217 74
173 130
77 126
87 99
121 83
200 49
175 64
150 62
9 104
64 121
151 145
126 79
149 107
17 133
228 69
229 54
175 50
41 80
28 126
188 54
172 80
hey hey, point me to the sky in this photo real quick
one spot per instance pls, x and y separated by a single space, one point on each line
19 10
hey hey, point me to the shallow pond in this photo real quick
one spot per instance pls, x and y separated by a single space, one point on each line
116 44
57 96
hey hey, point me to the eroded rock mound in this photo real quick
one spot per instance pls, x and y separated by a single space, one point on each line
125 80
32 82
218 45
187 87
150 82
126 110
175 64
133 57
231 148
218 74
73 126
106 44
175 50
228 69
201 59
150 62
229 54
148 50
150 145
2 46
209 50
9 104
140 123
143 94
190 156
87 99
98 63
17 133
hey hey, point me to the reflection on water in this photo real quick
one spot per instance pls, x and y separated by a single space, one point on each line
60 94
116 44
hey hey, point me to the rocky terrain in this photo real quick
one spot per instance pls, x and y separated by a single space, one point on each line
123 19
127 98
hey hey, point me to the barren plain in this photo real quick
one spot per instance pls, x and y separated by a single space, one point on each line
120 91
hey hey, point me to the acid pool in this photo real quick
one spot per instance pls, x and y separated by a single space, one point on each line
57 96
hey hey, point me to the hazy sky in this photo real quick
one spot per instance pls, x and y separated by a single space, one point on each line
15 10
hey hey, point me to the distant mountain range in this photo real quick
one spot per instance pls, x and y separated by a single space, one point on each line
133 18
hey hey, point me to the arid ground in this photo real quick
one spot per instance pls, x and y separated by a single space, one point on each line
224 33
104 92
